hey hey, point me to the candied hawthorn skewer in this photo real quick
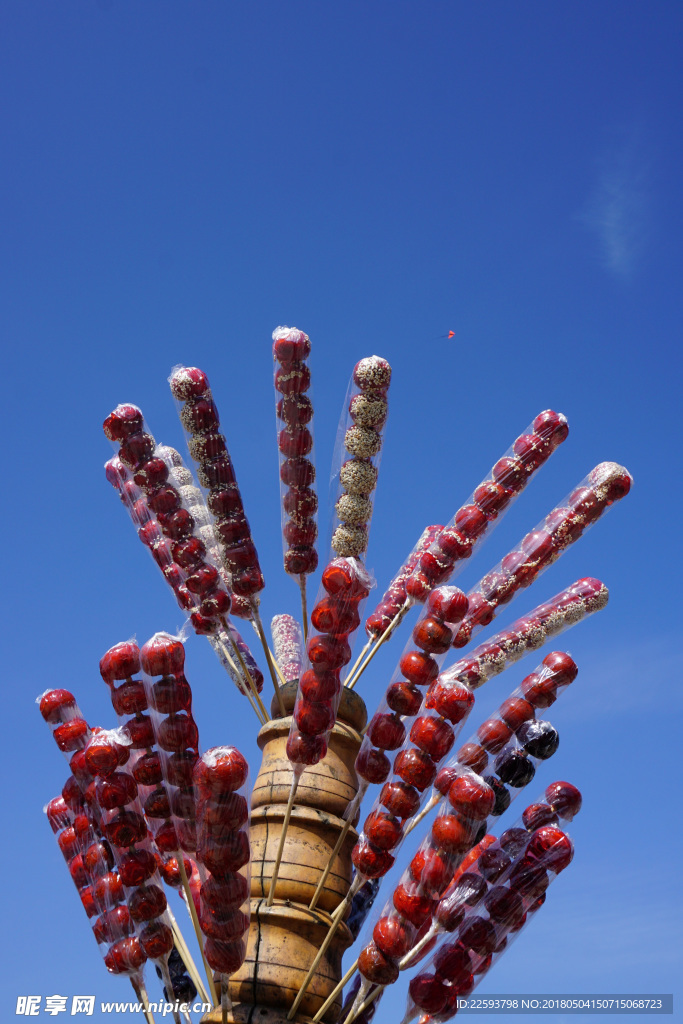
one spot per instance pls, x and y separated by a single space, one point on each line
207 446
474 521
539 548
220 781
294 415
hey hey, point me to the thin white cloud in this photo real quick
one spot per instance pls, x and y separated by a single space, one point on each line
618 212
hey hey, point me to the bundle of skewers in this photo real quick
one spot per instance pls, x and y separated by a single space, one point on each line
145 811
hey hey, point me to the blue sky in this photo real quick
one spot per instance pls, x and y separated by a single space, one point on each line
179 178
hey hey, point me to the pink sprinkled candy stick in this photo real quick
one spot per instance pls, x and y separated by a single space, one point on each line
294 413
539 548
288 646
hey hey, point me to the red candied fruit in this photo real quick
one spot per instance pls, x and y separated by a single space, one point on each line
314 719
328 652
300 503
163 500
531 880
319 686
136 867
432 636
448 604
125 957
71 735
170 695
453 701
299 472
491 497
376 967
414 906
562 666
151 474
166 838
400 799
156 940
515 711
200 416
433 735
188 553
228 894
392 937
539 690
383 830
454 544
301 560
471 798
55 703
224 957
369 860
129 698
473 756
113 924
470 521
372 765
294 441
122 422
504 906
147 770
220 770
331 616
445 778
305 750
479 935
107 890
217 602
177 732
453 962
493 734
117 790
432 869
120 661
295 409
509 472
451 834
162 655
136 449
404 698
416 768
292 378
340 578
386 731
146 903
300 534
223 926
418 586
188 382
418 668
435 567
564 798
205 578
126 829
536 815
531 450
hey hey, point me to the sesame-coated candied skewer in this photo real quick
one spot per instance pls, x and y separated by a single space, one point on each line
294 413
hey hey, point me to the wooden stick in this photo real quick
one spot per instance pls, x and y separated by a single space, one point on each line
351 682
138 984
197 929
186 956
281 845
364 1005
328 867
429 806
337 920
304 608
166 978
266 651
409 959
359 659
247 673
335 991
226 1004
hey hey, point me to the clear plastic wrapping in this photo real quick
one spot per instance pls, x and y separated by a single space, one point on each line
539 548
486 506
357 455
543 623
207 446
395 596
288 646
345 585
220 781
294 416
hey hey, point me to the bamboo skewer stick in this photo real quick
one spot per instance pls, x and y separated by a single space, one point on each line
328 867
246 672
283 835
353 678
430 805
304 608
186 957
358 660
269 659
409 958
197 929
335 991
141 992
226 1003
168 984
336 921
243 687
364 1005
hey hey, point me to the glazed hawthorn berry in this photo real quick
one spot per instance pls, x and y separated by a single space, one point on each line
447 604
98 858
432 636
453 962
295 409
472 798
504 906
306 750
301 560
493 863
122 422
126 829
129 698
177 732
166 838
188 553
415 907
434 566
220 770
473 756
163 655
146 903
314 719
147 770
156 939
470 521
383 830
452 834
114 924
299 472
539 739
501 794
478 934
416 768
514 768
493 734
224 957
530 879
136 866
301 534
432 735
551 847
404 698
157 804
418 668
536 815
230 854
451 700
328 652
188 382
372 765
445 778
400 799
319 686
170 695
125 956
376 967
332 616
515 711
562 667
491 497
68 842
369 860
514 840
56 704
428 992
392 937
71 735
386 731
564 798
72 795
509 472
540 690
107 890
432 870
229 893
